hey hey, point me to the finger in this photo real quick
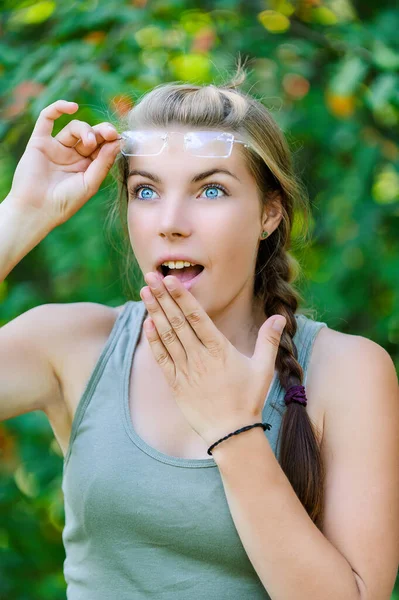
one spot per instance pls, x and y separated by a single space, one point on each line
45 122
175 316
79 132
268 342
202 324
89 138
100 166
104 132
164 328
94 154
159 351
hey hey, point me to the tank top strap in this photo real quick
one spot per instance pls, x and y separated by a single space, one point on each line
304 339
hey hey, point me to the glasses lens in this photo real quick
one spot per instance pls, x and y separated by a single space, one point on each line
142 143
209 143
199 143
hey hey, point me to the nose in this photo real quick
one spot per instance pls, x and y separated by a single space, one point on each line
173 221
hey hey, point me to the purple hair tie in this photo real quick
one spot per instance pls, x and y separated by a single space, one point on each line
296 393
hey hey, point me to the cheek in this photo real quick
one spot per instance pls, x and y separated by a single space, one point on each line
232 259
233 239
139 234
237 236
138 227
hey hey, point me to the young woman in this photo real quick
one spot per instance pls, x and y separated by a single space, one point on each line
208 453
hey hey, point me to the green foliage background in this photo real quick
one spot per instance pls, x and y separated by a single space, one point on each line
329 71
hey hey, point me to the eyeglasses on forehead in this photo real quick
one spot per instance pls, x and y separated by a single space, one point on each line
216 144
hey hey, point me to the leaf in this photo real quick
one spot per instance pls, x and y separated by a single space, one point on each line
324 16
384 57
382 89
33 15
274 21
149 37
191 67
385 189
350 73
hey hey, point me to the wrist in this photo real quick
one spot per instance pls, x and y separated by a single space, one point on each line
229 432
234 449
22 217
20 231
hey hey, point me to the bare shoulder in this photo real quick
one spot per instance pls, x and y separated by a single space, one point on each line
338 364
74 317
77 323
336 350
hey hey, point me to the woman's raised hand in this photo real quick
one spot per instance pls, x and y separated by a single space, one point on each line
57 175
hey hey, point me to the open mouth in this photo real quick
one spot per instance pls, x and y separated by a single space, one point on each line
184 274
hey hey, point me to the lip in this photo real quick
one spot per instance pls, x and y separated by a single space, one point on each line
175 258
187 284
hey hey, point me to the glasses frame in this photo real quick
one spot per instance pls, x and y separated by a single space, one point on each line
165 137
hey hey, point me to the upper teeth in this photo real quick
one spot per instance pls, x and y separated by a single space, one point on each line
178 264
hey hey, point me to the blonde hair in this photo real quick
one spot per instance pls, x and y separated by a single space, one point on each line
225 107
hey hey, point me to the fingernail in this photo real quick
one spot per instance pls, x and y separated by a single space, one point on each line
149 324
91 137
169 284
279 324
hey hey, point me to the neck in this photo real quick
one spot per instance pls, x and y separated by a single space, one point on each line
240 322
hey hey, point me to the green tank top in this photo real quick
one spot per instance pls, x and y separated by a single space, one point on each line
141 524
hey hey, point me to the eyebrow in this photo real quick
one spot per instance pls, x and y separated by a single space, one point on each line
195 179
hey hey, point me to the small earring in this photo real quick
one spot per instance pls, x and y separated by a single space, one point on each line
264 235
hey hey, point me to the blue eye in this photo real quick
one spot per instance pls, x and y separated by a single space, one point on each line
214 186
147 191
146 188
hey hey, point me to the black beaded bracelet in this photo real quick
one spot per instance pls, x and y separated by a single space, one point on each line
263 425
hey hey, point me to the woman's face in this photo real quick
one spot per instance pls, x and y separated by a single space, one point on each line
181 208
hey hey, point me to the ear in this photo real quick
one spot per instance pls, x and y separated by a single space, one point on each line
272 213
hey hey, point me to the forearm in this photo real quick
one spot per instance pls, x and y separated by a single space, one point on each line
19 233
292 558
